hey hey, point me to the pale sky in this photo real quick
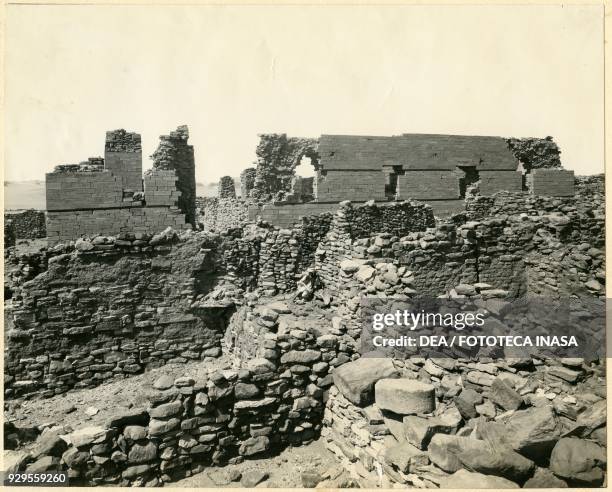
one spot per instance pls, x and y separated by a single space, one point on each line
231 72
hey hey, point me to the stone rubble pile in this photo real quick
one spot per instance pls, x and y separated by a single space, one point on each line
28 224
502 423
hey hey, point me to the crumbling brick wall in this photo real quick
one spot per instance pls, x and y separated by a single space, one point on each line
175 153
28 224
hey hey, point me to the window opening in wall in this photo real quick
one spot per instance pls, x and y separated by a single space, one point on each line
303 186
470 177
391 181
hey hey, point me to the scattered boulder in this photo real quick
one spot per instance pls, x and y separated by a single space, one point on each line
252 478
405 396
579 460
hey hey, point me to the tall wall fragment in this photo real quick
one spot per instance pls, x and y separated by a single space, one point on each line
175 153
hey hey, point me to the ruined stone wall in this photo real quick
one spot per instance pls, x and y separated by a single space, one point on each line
111 308
277 158
68 226
227 188
220 214
247 181
271 398
28 224
123 158
175 153
84 200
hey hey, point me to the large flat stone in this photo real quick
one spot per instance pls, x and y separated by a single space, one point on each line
356 380
452 453
463 479
405 396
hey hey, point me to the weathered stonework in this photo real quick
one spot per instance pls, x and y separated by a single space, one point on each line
174 153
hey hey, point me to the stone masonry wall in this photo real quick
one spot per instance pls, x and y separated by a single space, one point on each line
357 186
492 182
551 182
83 190
68 226
267 401
111 308
428 185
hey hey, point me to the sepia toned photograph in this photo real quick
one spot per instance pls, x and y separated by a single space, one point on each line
304 246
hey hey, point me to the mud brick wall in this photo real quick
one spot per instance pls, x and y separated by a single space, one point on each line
28 224
68 226
160 188
123 157
88 318
428 185
493 181
551 182
336 186
83 190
